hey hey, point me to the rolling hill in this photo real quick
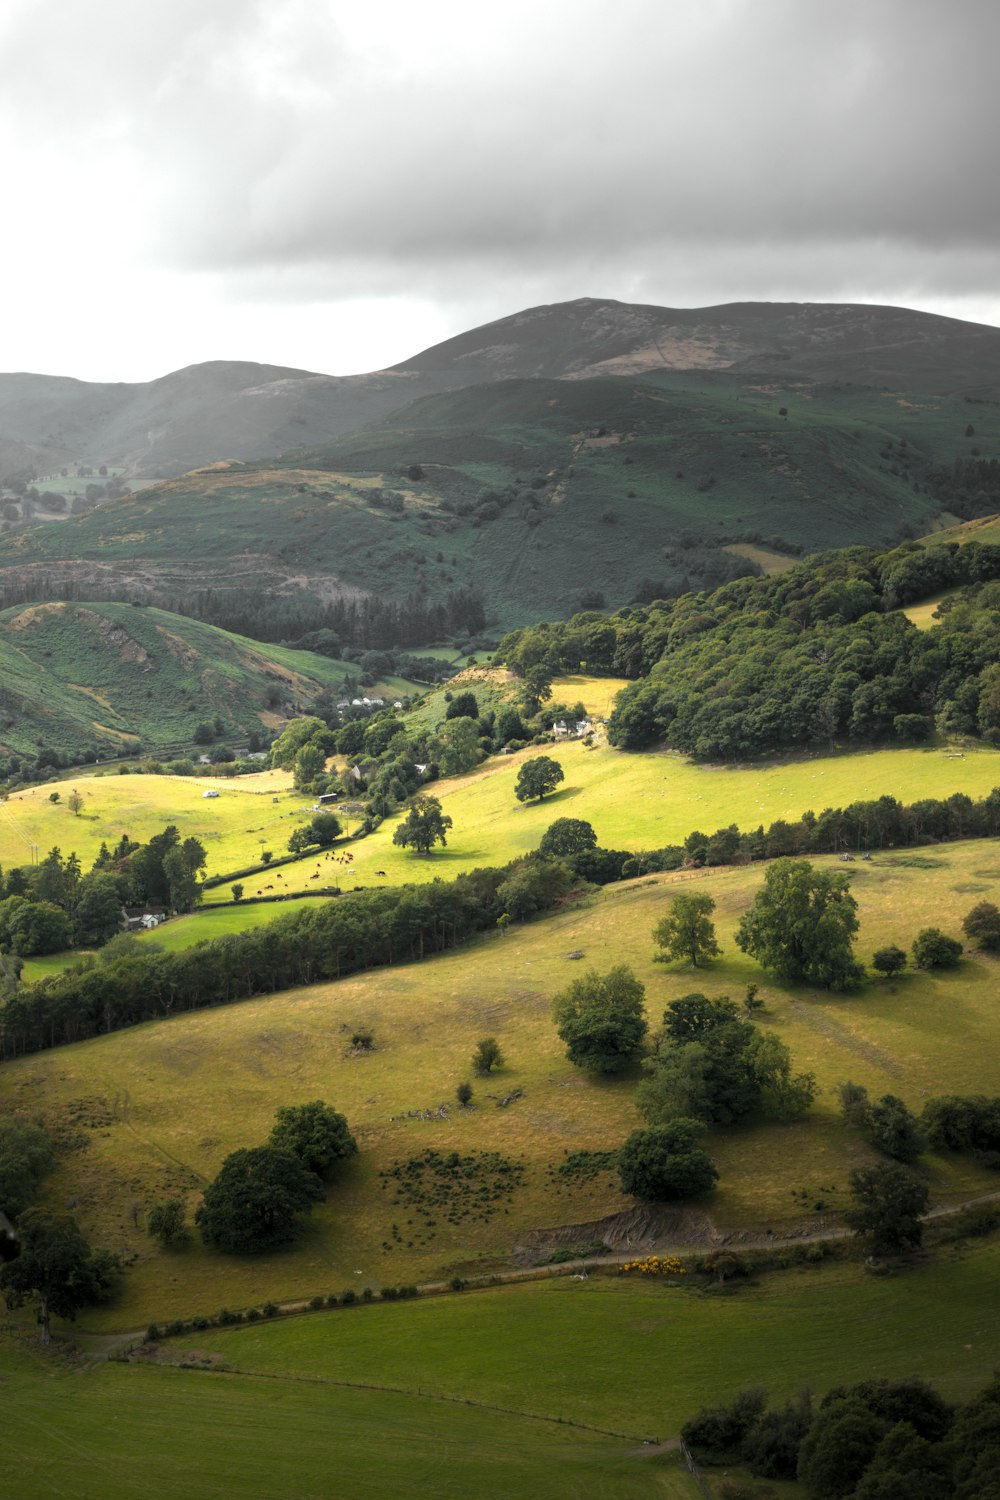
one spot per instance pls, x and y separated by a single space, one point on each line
92 680
538 497
225 409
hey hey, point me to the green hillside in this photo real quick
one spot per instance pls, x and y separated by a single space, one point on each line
537 496
153 1110
98 679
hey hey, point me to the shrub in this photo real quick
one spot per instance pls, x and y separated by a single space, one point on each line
932 949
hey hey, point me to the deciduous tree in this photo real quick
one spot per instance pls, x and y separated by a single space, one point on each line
801 925
601 1019
687 930
666 1162
889 1202
424 826
316 1134
537 778
254 1202
56 1268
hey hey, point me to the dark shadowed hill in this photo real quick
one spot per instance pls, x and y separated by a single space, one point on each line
237 410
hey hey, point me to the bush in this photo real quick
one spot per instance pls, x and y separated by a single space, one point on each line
666 1163
715 1433
932 949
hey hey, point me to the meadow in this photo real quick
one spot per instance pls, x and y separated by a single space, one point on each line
416 1398
634 801
151 1112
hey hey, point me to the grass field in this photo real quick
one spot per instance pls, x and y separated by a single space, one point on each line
922 614
637 802
121 1433
234 827
155 1109
389 1400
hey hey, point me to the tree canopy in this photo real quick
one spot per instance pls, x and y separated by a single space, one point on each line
801 925
314 1133
666 1162
537 778
889 1202
601 1019
56 1268
254 1202
424 826
687 930
567 836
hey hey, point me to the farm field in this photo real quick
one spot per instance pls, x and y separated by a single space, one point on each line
124 1433
154 1110
388 1389
233 827
635 801
644 1356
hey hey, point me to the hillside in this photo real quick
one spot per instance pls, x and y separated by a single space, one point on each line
225 409
532 497
92 680
863 344
203 1084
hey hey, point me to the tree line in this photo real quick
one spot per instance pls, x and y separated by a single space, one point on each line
372 622
875 1440
365 930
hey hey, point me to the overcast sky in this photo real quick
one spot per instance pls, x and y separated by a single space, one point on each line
334 185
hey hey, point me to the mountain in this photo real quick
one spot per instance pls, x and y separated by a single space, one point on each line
88 680
218 410
234 410
857 343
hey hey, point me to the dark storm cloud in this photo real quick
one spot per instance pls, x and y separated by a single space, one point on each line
657 144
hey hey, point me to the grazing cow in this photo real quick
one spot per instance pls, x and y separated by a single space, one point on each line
379 872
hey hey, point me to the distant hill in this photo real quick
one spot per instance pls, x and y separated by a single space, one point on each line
535 496
237 410
815 341
82 680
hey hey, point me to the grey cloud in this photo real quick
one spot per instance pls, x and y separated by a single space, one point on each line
762 143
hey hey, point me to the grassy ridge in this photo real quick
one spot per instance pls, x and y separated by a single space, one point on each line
103 677
156 1109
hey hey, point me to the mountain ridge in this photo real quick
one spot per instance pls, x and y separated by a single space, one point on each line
233 409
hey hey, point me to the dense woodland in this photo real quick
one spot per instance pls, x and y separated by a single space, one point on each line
819 655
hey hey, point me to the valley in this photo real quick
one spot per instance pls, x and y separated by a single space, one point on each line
733 575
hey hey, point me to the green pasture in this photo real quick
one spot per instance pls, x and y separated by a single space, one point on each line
643 1355
636 801
151 1112
117 1432
234 826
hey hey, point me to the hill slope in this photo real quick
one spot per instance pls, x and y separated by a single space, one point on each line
96 679
539 496
226 409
